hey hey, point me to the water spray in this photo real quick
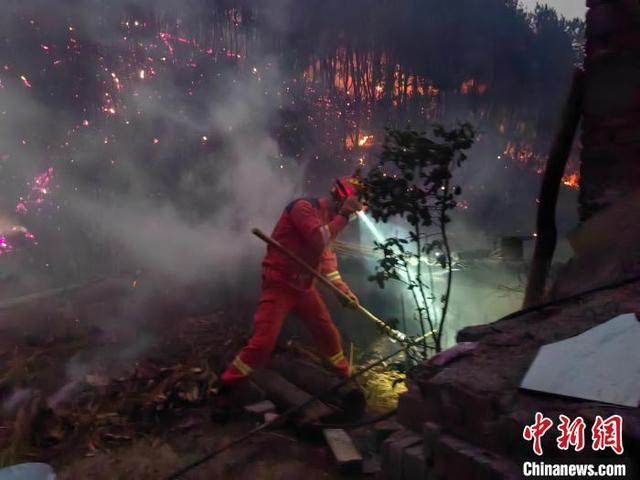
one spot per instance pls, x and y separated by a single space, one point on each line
373 229
413 262
371 226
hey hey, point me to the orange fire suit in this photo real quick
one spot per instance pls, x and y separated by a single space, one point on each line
306 227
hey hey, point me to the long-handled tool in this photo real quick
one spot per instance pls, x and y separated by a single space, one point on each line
392 332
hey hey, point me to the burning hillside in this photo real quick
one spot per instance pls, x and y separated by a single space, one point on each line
142 141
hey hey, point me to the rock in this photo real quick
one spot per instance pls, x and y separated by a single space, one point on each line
455 458
414 466
472 334
392 453
31 471
431 433
384 429
453 353
371 466
344 450
413 410
270 417
261 408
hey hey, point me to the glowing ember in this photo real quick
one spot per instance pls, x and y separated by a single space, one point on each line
467 86
165 37
526 156
345 93
433 91
365 140
5 245
38 192
25 81
14 239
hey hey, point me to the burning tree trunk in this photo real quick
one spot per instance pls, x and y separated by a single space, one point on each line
546 222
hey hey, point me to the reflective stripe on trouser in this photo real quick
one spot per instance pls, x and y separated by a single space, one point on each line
337 358
276 301
340 363
242 367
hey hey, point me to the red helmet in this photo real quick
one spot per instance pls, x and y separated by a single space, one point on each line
344 187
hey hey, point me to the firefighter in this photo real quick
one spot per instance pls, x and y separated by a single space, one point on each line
306 227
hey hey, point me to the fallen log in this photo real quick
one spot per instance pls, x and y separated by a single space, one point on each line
286 395
315 379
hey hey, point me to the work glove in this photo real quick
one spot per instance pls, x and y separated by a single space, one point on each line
353 301
351 205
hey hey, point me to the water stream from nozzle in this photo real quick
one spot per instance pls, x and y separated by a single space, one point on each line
372 227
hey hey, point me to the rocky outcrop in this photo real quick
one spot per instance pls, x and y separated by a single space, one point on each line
470 411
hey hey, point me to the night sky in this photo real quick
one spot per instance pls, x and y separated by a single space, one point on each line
568 8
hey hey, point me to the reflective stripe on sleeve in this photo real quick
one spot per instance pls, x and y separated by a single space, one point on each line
242 367
334 276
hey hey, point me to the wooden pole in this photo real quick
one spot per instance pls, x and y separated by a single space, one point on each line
556 163
395 334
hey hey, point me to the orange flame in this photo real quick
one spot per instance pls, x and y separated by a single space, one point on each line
571 180
363 140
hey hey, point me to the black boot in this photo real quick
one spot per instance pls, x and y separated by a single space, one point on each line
232 397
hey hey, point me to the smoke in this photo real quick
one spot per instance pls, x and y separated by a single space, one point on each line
170 179
165 175
17 399
240 188
165 123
